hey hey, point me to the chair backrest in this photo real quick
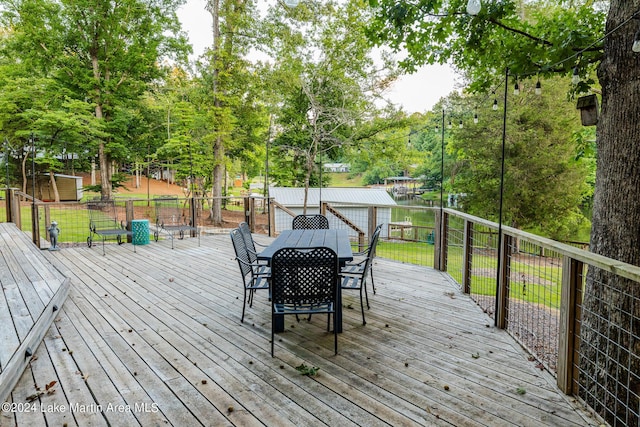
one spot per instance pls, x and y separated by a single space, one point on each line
103 215
248 241
310 222
241 253
168 211
374 242
304 276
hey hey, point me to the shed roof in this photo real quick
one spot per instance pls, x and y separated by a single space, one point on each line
292 197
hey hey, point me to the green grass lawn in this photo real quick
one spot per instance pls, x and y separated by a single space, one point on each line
342 179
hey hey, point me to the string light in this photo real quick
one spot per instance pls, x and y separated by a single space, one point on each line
449 126
495 105
516 88
460 125
575 78
473 7
538 89
475 118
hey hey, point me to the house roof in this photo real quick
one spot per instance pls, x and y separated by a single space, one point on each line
292 197
401 178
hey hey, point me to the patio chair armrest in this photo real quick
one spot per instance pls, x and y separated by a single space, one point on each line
355 263
250 264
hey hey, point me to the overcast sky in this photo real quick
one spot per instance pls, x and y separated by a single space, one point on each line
416 93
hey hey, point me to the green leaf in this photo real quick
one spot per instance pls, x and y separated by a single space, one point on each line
307 370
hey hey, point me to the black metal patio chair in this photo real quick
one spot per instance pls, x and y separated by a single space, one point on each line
103 223
170 219
353 276
304 281
310 222
252 279
252 252
357 265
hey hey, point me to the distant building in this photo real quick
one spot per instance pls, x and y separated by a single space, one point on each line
336 167
353 203
69 187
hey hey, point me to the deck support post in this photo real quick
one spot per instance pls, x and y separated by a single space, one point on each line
467 256
569 328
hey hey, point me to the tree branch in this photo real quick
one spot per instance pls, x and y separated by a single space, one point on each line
522 33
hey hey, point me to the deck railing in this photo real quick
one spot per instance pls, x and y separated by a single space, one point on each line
529 285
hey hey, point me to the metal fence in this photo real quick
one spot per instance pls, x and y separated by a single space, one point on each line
73 218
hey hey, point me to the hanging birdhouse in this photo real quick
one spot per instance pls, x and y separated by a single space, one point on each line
588 106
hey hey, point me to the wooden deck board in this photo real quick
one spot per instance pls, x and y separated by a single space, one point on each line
161 329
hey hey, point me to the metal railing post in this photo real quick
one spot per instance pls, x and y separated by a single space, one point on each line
35 224
128 212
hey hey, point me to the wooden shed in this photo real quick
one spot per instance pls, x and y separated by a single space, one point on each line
69 187
352 202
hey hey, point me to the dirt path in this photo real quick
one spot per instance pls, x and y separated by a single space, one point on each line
153 187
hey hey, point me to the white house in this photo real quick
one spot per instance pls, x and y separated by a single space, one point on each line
336 167
353 203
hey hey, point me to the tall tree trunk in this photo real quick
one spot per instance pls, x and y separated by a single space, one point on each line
610 330
54 186
218 148
218 179
105 165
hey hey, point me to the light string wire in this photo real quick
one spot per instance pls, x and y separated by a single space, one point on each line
493 91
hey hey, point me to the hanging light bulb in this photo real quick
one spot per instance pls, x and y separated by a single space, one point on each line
437 129
475 118
538 90
460 125
495 104
473 7
449 126
636 43
516 89
575 78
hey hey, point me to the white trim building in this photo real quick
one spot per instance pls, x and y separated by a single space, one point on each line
353 203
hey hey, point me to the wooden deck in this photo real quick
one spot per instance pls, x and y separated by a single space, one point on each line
31 291
154 338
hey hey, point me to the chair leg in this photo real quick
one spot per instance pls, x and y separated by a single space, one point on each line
335 334
273 321
362 305
366 295
244 304
250 298
373 284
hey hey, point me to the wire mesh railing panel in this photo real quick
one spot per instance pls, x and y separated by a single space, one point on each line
483 265
608 356
455 248
407 233
72 219
534 291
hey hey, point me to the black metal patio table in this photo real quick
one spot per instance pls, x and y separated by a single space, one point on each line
337 240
